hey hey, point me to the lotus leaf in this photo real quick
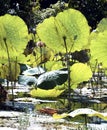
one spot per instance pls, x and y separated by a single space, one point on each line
14 35
20 59
81 111
98 43
68 30
80 72
53 65
57 65
74 86
102 26
41 93
5 71
98 48
51 79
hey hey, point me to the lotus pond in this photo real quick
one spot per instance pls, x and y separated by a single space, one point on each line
39 114
53 65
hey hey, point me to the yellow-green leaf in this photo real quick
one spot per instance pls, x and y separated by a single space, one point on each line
102 26
98 47
60 116
74 86
98 43
11 73
80 72
41 93
82 111
14 35
69 26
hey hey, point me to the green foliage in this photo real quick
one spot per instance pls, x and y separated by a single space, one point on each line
20 59
53 78
79 72
102 26
54 65
62 35
13 41
98 47
40 55
14 35
82 111
65 31
15 71
41 93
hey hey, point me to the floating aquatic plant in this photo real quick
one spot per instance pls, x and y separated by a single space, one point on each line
82 111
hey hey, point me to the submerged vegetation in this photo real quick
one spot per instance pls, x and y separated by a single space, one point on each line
55 52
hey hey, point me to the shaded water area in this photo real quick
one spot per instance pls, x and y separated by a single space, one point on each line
32 119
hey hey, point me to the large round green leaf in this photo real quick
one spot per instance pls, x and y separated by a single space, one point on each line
41 93
69 27
14 35
98 48
98 40
82 111
80 72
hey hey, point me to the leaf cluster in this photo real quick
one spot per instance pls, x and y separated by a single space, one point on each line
61 39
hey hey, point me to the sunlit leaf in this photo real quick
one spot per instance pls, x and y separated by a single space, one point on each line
98 40
2 36
62 87
69 26
82 111
20 59
54 65
100 115
98 47
102 26
14 35
15 71
49 65
57 65
11 73
74 86
60 116
41 93
80 72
